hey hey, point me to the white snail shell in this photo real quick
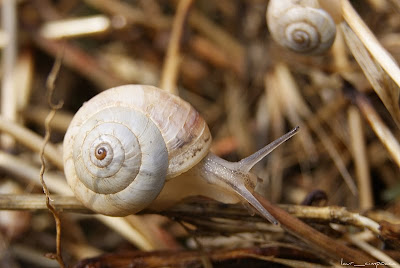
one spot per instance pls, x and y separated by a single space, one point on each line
125 142
301 25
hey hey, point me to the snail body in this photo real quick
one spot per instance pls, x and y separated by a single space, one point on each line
135 146
301 25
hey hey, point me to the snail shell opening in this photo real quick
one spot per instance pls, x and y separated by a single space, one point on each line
125 142
299 28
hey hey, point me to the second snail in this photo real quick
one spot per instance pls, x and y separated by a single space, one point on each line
136 146
303 26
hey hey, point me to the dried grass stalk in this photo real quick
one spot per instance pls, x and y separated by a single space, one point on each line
377 64
358 146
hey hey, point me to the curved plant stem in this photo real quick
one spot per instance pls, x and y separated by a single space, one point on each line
54 107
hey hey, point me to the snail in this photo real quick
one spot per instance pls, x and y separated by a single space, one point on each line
301 25
135 146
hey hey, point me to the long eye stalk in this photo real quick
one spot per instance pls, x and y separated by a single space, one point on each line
236 176
249 162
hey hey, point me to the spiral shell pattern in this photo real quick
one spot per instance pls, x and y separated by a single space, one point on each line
122 145
301 25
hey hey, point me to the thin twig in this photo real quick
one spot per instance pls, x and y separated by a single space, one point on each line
172 60
288 262
200 209
77 27
54 107
382 57
380 79
38 202
319 241
377 124
384 258
358 145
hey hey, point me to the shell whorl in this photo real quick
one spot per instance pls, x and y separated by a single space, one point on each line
125 142
301 25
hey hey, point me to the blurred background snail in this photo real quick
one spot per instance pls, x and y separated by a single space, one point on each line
303 25
134 146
